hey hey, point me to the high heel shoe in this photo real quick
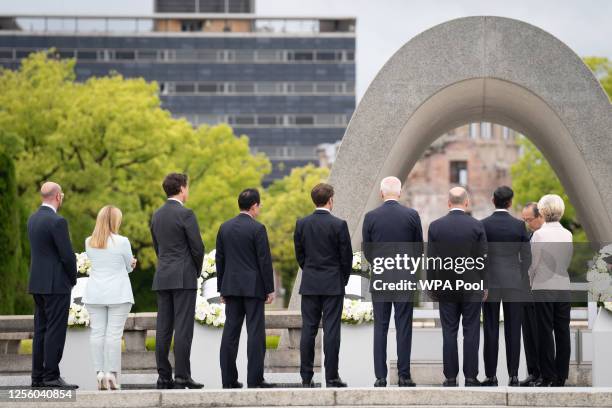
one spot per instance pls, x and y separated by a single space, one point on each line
113 384
102 384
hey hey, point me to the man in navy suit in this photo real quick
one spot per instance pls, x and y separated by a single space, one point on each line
458 236
245 281
324 253
509 258
392 223
53 273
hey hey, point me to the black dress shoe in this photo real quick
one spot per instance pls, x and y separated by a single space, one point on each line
235 384
183 383
490 382
558 383
529 381
405 382
514 381
380 382
59 383
335 383
36 383
262 384
473 382
165 384
542 382
308 384
450 382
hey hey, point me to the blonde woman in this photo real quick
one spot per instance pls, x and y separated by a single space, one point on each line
108 296
552 248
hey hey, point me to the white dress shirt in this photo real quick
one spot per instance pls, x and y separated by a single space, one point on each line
551 254
108 281
50 206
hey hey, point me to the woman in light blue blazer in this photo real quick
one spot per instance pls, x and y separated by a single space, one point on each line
108 295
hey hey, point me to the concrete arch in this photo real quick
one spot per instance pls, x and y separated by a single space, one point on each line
481 69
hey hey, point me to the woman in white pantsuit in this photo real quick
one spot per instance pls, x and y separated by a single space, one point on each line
108 295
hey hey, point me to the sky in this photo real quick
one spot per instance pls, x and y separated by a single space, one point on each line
383 26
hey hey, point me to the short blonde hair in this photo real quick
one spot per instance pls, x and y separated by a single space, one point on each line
107 223
552 207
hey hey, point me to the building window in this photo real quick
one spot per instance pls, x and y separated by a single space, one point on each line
506 133
459 172
474 130
485 130
191 25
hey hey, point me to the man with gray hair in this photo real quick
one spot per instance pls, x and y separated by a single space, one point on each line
458 236
391 222
53 273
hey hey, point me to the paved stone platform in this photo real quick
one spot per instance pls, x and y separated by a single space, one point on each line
354 397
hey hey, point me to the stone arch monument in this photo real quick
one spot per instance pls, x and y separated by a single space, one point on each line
481 69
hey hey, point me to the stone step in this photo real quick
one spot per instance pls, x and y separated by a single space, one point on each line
353 397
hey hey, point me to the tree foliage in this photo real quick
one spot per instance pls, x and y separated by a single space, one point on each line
285 201
108 141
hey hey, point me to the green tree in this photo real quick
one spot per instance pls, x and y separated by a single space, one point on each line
284 202
108 141
12 285
602 68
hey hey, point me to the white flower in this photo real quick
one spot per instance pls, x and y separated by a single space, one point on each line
83 263
209 267
78 315
606 251
357 261
357 311
211 314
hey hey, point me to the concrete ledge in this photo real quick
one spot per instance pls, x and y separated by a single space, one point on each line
362 397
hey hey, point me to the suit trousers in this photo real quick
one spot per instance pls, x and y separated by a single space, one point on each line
107 323
236 309
469 314
553 334
403 327
50 325
315 308
513 311
530 338
175 314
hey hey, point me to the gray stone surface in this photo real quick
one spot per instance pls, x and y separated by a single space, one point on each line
480 69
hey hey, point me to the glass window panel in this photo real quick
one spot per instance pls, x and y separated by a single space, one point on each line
350 55
244 120
184 88
268 55
302 87
304 120
268 120
267 87
87 55
24 53
326 87
65 53
303 55
207 88
125 55
206 55
244 55
186 55
328 56
147 55
244 87
6 54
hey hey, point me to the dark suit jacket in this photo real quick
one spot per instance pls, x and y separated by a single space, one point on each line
323 251
457 235
53 263
392 222
243 259
178 245
509 251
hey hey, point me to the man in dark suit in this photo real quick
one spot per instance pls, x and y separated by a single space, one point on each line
180 254
459 236
534 221
323 251
392 223
509 258
246 281
53 273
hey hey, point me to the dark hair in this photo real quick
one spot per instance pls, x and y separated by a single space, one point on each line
321 193
247 198
534 207
173 182
502 197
